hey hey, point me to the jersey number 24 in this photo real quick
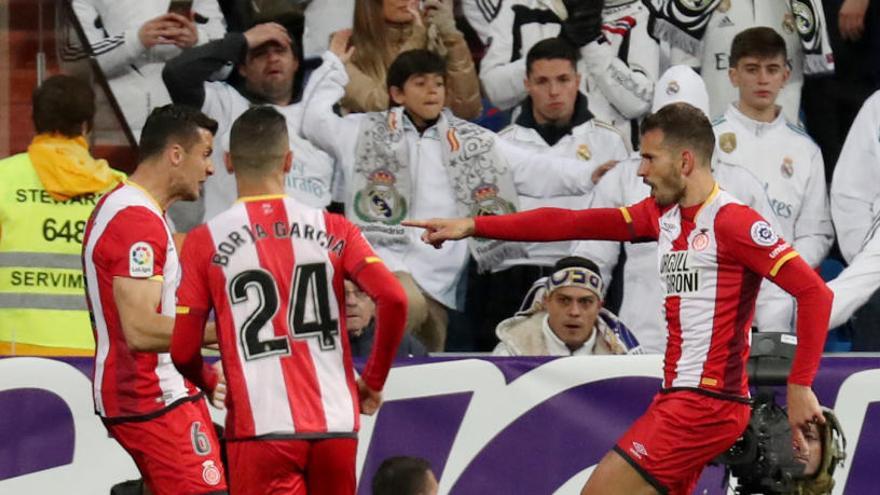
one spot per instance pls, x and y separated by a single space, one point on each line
309 296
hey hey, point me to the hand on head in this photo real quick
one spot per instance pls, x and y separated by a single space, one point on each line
803 409
266 32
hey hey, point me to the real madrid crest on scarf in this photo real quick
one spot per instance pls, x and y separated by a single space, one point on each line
487 202
727 142
379 200
381 188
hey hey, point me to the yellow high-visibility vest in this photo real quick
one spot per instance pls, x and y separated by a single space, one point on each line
42 289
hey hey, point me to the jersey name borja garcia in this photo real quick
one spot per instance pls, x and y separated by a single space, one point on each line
272 269
712 258
127 236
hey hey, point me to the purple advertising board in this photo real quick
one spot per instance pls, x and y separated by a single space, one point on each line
487 425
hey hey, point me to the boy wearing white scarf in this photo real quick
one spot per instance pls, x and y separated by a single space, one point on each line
417 159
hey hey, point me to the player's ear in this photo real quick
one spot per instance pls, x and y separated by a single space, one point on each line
288 161
688 161
227 162
174 153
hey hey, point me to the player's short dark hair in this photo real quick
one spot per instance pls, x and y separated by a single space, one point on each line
760 42
172 124
413 63
683 126
62 104
578 262
551 49
401 475
258 140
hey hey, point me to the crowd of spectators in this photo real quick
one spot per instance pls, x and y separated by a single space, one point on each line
573 78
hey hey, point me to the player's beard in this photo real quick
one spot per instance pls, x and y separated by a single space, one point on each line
668 190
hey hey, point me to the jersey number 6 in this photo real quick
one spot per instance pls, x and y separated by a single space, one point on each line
309 296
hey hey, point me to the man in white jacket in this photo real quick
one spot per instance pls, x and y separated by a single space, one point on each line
755 134
555 119
619 59
131 41
642 304
266 59
407 162
566 317
855 207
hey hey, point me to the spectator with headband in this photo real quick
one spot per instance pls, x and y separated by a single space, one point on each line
566 318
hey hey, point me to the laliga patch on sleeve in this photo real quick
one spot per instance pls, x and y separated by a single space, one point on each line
763 234
140 260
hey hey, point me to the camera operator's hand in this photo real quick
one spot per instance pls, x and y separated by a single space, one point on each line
803 409
584 22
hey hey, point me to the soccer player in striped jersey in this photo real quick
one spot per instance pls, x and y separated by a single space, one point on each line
273 270
132 271
712 254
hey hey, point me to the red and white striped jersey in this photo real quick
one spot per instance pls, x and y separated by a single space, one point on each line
127 237
272 269
712 258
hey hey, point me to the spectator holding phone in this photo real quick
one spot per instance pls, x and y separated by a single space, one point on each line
132 39
384 28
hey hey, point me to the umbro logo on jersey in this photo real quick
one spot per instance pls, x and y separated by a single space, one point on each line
725 22
638 450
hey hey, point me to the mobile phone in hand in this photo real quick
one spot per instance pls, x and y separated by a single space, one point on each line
182 7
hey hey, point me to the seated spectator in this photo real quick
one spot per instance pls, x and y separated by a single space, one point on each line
267 59
131 41
46 197
619 60
755 134
385 28
855 207
704 35
642 303
411 161
566 318
360 312
554 119
404 475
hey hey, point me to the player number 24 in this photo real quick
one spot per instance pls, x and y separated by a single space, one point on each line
309 296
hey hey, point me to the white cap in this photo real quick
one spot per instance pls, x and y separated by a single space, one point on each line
680 84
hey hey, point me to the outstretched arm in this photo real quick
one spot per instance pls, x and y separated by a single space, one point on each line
630 223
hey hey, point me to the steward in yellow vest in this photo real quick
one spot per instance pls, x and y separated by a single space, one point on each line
46 197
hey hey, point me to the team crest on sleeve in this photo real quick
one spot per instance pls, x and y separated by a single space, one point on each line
140 260
763 234
380 201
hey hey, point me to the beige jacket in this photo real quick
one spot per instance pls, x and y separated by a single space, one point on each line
367 94
530 335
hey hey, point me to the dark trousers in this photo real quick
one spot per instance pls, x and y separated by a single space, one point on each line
493 297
